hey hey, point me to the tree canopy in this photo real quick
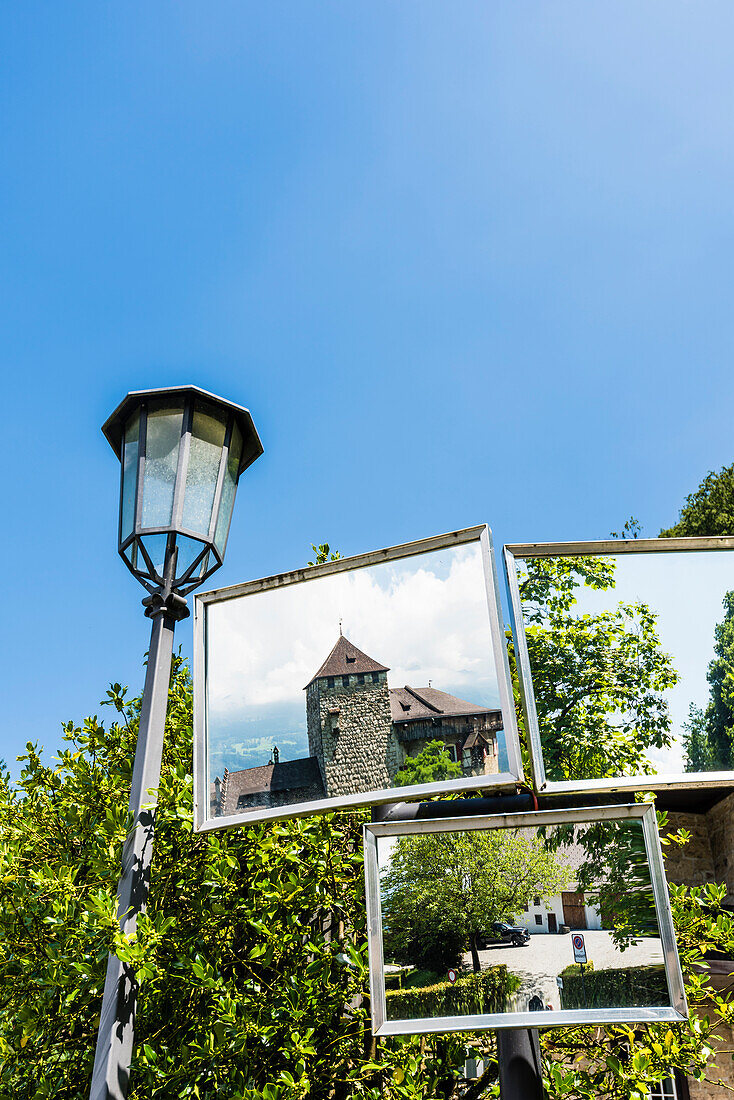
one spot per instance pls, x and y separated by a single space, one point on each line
252 955
709 509
431 765
599 679
443 884
709 739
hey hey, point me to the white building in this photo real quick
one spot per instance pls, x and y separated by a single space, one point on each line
570 908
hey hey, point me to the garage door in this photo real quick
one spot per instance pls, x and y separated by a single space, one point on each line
574 913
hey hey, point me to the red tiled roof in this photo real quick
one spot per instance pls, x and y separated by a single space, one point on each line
409 704
346 659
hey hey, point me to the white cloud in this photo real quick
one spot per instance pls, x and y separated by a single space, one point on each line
424 617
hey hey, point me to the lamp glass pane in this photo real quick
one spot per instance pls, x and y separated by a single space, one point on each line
229 488
163 438
156 547
129 476
207 441
188 551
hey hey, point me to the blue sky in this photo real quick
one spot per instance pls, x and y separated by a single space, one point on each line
464 262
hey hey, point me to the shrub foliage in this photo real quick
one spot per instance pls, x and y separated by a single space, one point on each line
469 996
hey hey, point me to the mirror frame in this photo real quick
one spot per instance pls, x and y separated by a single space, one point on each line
607 547
204 600
644 811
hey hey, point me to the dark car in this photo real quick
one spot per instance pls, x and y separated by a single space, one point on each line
501 932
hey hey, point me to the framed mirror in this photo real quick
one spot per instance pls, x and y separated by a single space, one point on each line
520 920
335 685
622 651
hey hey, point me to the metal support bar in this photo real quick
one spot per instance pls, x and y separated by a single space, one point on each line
454 807
518 1054
518 1049
111 1074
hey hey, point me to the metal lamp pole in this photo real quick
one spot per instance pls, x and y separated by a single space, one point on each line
116 1033
182 451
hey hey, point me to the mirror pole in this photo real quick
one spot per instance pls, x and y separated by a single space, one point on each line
518 1054
518 1049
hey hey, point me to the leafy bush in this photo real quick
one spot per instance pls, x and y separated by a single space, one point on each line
632 986
470 996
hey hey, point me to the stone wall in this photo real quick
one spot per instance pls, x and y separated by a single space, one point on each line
692 864
720 821
350 732
720 1071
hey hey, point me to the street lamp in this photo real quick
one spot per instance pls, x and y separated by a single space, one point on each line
182 451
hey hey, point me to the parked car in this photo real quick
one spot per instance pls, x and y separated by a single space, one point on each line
501 932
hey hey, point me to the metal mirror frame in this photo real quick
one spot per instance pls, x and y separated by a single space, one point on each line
480 534
645 811
611 547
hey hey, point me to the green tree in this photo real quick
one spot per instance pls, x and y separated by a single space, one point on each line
462 882
324 553
252 956
599 680
709 738
709 510
431 765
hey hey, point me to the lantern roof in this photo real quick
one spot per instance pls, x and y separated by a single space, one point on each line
114 426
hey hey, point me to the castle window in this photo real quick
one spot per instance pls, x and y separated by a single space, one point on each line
360 678
330 681
538 918
453 753
345 681
375 677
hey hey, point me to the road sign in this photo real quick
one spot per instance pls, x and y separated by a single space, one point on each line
452 976
579 948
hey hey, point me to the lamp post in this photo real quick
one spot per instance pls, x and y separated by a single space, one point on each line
181 451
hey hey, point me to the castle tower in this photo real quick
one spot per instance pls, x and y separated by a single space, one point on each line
349 722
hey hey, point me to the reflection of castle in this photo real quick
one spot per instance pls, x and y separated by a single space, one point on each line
360 732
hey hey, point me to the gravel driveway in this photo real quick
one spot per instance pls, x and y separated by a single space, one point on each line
545 956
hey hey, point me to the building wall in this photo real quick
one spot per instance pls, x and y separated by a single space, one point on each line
720 821
553 905
720 1071
350 732
452 731
692 864
707 857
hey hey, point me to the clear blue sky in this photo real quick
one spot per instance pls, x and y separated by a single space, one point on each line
464 262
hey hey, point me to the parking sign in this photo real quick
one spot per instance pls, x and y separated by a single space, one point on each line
579 948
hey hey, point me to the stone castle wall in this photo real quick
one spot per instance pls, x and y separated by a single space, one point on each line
693 863
350 732
719 1081
720 821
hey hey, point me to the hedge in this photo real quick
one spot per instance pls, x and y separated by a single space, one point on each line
625 987
476 994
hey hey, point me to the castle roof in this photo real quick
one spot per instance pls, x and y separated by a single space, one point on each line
287 775
409 704
345 659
